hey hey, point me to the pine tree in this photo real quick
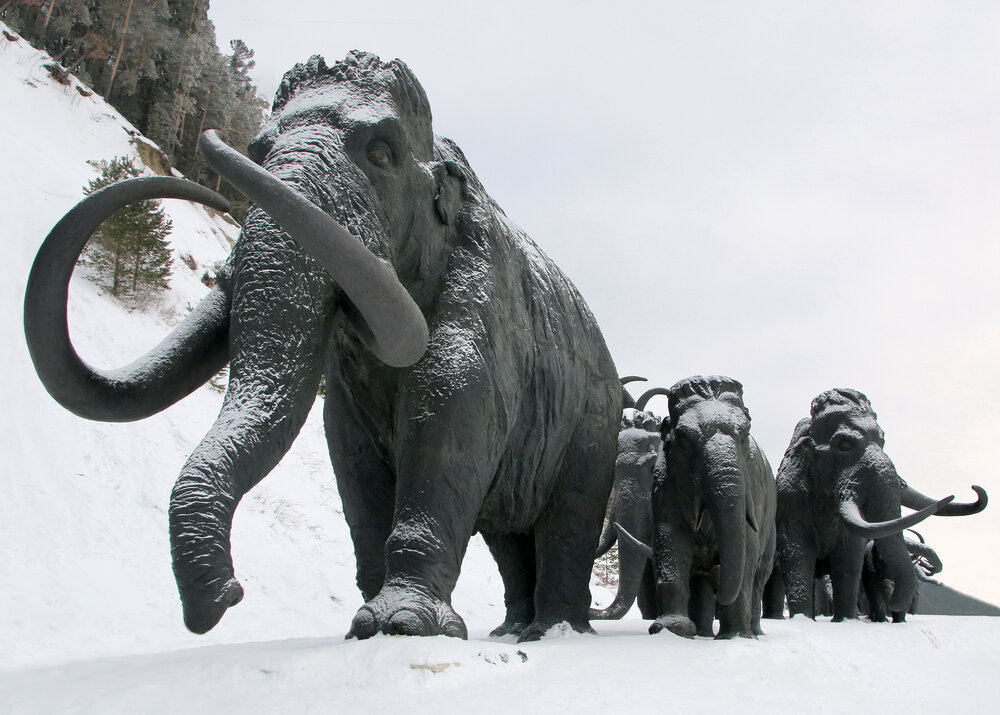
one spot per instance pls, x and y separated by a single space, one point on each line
129 253
240 63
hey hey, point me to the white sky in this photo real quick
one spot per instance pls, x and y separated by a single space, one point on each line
799 195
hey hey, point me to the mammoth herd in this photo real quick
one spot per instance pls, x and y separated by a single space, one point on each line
730 541
468 389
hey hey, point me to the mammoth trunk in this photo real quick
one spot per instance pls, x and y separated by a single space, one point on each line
186 358
893 552
728 513
725 497
280 327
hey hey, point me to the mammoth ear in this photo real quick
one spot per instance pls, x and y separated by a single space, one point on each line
802 443
449 181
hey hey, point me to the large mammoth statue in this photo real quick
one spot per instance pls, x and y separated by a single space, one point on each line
631 508
713 514
468 386
837 490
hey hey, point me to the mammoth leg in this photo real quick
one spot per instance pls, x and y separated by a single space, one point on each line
647 592
515 557
439 492
367 490
845 577
774 595
277 346
797 561
569 530
672 560
761 579
702 606
734 619
874 591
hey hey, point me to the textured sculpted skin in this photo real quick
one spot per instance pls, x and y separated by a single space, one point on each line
497 414
837 490
631 508
713 514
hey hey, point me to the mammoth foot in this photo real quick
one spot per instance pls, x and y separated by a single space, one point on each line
508 628
537 630
678 625
742 633
206 600
518 618
405 612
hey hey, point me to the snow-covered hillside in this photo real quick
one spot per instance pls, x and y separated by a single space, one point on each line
89 616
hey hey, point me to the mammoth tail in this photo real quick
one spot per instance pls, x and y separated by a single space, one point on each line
197 349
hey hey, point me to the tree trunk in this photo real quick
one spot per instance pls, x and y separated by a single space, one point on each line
121 46
45 24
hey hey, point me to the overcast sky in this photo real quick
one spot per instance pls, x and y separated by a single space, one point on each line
798 195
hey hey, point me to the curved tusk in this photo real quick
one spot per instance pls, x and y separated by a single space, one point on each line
645 397
197 349
912 499
878 529
384 314
624 536
631 378
627 400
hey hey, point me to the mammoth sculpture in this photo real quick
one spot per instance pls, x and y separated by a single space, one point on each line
713 506
631 508
837 490
877 584
468 386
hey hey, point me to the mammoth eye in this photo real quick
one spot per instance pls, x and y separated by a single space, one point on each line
379 154
845 444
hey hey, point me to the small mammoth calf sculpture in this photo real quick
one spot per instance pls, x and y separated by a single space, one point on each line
877 585
468 386
713 514
837 490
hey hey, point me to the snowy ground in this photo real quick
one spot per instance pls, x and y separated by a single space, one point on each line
931 665
89 616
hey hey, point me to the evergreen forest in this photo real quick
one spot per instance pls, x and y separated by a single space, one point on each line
158 63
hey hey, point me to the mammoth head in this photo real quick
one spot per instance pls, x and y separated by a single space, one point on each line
707 450
844 435
353 173
356 139
839 451
702 405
